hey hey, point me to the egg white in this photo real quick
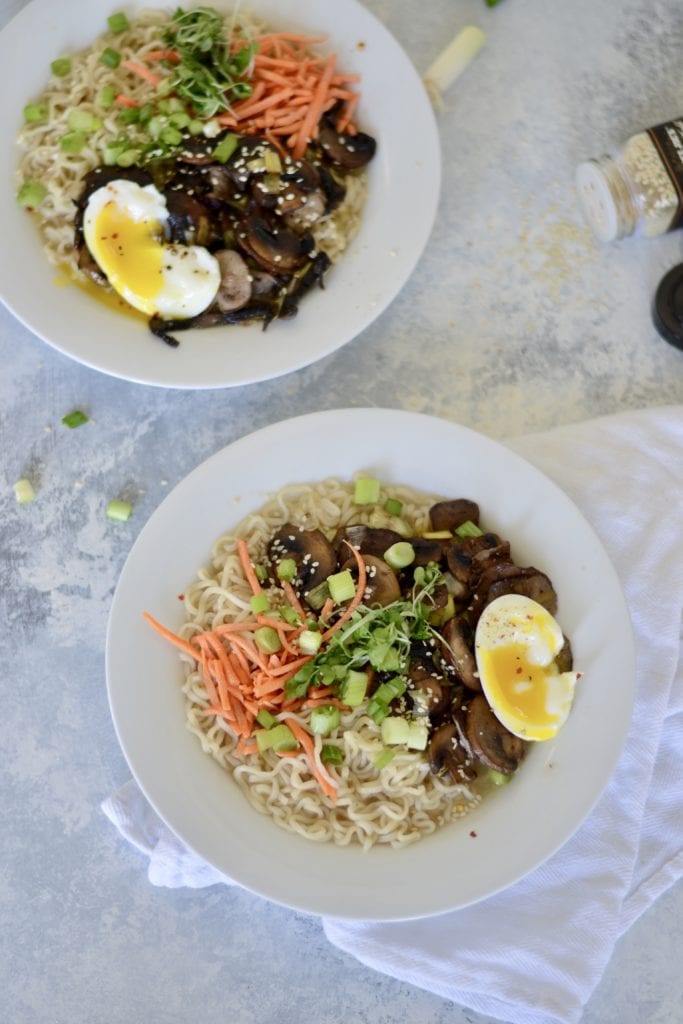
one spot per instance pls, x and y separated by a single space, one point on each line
123 226
516 643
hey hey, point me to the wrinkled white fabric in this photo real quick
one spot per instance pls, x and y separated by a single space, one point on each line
534 953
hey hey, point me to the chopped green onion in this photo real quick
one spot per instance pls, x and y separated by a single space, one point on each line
128 158
440 616
329 754
118 22
171 136
384 758
265 719
31 194
469 529
34 113
342 586
225 148
497 778
83 121
119 510
110 57
272 161
290 616
366 491
391 688
72 142
418 736
324 719
267 640
353 688
195 127
279 738
309 641
129 115
395 730
259 603
180 119
145 113
156 125
261 573
316 598
286 569
393 506
400 555
23 491
377 711
60 67
74 419
107 96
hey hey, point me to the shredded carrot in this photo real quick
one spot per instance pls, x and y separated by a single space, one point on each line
306 741
291 90
141 71
248 568
126 101
155 55
173 637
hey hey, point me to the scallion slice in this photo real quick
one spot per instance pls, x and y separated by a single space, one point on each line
366 491
119 510
73 142
60 67
267 640
342 586
31 194
106 97
74 419
110 57
468 529
83 121
118 22
23 491
329 754
393 506
259 603
35 113
225 148
324 719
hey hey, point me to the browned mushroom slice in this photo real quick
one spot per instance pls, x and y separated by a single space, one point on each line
347 151
426 550
313 554
189 221
565 657
302 217
456 653
459 562
334 191
278 250
493 744
427 689
486 556
532 584
448 755
235 287
382 586
449 515
369 540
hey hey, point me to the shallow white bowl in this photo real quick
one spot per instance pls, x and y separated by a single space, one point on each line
514 829
404 180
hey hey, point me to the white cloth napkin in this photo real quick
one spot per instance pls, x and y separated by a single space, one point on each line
534 953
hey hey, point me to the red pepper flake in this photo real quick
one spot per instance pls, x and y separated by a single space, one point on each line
181 597
473 834
519 670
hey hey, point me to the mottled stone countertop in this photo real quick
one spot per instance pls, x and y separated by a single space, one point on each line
513 321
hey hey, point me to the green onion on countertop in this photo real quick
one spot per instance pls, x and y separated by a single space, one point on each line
74 419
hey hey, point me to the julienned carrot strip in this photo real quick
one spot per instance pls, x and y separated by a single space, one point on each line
292 37
126 101
141 71
324 781
155 55
360 590
312 117
208 681
343 123
248 109
248 568
173 637
326 700
320 691
294 601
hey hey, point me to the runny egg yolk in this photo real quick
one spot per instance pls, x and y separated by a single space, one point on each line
128 250
123 226
516 644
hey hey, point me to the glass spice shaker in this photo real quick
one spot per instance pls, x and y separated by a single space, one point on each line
638 189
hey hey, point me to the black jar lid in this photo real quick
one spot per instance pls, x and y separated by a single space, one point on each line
668 307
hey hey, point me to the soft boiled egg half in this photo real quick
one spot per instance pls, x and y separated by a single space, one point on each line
123 225
516 643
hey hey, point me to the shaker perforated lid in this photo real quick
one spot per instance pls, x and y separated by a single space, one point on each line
597 201
667 312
